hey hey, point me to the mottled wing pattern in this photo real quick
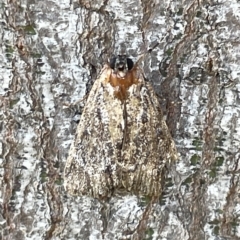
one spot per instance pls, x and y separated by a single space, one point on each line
151 143
121 145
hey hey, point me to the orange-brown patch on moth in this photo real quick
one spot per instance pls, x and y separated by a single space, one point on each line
122 84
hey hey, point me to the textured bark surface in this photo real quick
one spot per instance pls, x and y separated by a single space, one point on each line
51 52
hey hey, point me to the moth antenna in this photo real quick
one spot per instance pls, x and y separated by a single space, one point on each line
143 55
122 49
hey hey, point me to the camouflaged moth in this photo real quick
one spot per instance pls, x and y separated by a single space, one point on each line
122 144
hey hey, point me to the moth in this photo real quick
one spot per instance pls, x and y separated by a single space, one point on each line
122 143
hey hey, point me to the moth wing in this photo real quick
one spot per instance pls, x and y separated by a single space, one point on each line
90 167
149 145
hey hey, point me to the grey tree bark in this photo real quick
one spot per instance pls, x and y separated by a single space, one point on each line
51 52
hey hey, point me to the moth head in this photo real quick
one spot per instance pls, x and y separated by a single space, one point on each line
121 64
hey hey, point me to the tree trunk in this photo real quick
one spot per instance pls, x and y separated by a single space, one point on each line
52 51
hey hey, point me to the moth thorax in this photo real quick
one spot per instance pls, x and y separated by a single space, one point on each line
123 75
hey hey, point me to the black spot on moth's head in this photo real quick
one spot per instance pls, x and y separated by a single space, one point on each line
130 63
121 63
